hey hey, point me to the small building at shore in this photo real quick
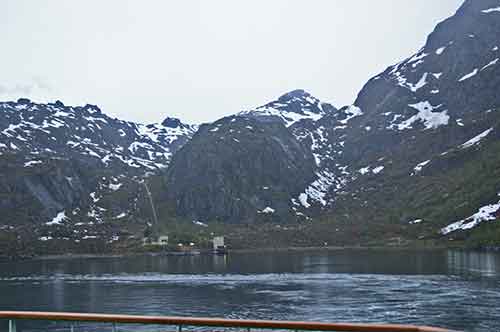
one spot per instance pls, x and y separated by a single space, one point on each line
218 242
161 240
219 247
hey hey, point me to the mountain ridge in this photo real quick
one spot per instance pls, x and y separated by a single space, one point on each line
415 153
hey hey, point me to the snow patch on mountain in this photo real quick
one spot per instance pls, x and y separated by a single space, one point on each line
318 190
476 140
303 200
136 145
318 140
267 210
414 87
378 169
420 166
430 119
485 213
421 83
32 162
417 57
469 75
364 170
491 10
115 186
58 219
440 50
199 223
351 111
491 63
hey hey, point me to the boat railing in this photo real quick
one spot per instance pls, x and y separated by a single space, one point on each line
213 323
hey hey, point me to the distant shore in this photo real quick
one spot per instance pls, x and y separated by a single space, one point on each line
336 248
242 251
237 251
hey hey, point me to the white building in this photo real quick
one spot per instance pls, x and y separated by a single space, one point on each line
218 242
161 240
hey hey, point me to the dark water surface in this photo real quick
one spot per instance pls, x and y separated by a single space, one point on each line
453 289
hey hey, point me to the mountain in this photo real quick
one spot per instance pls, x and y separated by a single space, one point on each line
415 157
433 121
77 161
237 168
271 158
88 134
417 149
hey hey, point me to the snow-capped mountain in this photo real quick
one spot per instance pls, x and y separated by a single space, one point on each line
78 162
416 111
437 107
416 152
57 130
291 108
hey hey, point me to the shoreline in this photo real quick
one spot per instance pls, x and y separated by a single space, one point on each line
241 251
336 248
204 252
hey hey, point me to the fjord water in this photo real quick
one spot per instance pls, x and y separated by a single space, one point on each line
447 288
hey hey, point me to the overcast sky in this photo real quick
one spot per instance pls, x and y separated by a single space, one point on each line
200 60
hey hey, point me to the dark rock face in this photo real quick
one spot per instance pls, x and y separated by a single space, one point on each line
34 194
24 101
173 123
235 168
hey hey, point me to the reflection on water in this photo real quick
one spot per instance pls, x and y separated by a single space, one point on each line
480 263
454 289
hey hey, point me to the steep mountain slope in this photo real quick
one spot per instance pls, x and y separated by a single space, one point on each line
417 117
426 94
373 159
261 158
77 161
237 168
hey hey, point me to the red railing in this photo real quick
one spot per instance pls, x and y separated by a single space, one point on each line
180 322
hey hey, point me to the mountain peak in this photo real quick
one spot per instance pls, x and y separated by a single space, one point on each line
298 93
298 96
23 101
290 108
92 108
171 122
59 103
